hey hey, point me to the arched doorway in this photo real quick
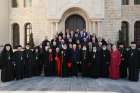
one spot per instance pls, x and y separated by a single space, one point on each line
75 22
125 33
137 33
28 31
16 38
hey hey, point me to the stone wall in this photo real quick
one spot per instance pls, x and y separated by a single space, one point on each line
112 19
4 22
131 14
36 15
45 15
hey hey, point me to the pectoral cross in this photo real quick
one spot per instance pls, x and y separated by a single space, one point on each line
27 56
9 58
36 57
94 56
84 56
132 54
21 58
121 55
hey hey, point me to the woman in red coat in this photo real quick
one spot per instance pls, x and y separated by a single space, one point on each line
114 72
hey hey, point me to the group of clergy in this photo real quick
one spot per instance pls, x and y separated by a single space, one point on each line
75 53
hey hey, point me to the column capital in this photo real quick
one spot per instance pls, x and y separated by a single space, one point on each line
96 20
54 20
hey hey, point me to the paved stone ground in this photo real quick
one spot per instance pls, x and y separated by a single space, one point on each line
71 84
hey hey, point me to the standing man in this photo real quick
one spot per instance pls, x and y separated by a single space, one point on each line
123 65
7 65
96 63
105 60
28 56
19 63
75 60
133 63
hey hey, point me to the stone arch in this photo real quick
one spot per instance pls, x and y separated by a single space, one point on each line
14 3
74 22
125 32
137 32
27 32
74 11
15 34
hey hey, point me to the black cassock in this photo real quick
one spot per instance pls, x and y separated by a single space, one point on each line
44 43
65 59
37 64
88 65
104 63
28 63
133 65
79 61
123 65
85 69
69 62
48 64
75 60
96 64
18 58
7 67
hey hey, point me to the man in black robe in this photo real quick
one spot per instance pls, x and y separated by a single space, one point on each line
75 59
123 65
37 62
28 62
69 62
79 63
96 63
64 59
19 63
7 65
105 60
44 43
89 65
45 60
84 55
48 61
133 63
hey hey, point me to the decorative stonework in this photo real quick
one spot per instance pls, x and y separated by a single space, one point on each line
48 17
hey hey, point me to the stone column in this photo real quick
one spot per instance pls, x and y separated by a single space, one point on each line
131 32
22 34
94 27
90 26
98 29
56 28
99 26
51 30
131 2
11 33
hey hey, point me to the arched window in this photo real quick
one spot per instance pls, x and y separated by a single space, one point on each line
125 2
27 3
137 33
14 3
16 35
125 33
136 1
28 31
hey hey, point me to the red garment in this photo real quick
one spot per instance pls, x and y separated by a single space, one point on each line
50 57
69 64
114 72
58 65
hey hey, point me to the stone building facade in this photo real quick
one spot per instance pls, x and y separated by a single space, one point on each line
106 18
